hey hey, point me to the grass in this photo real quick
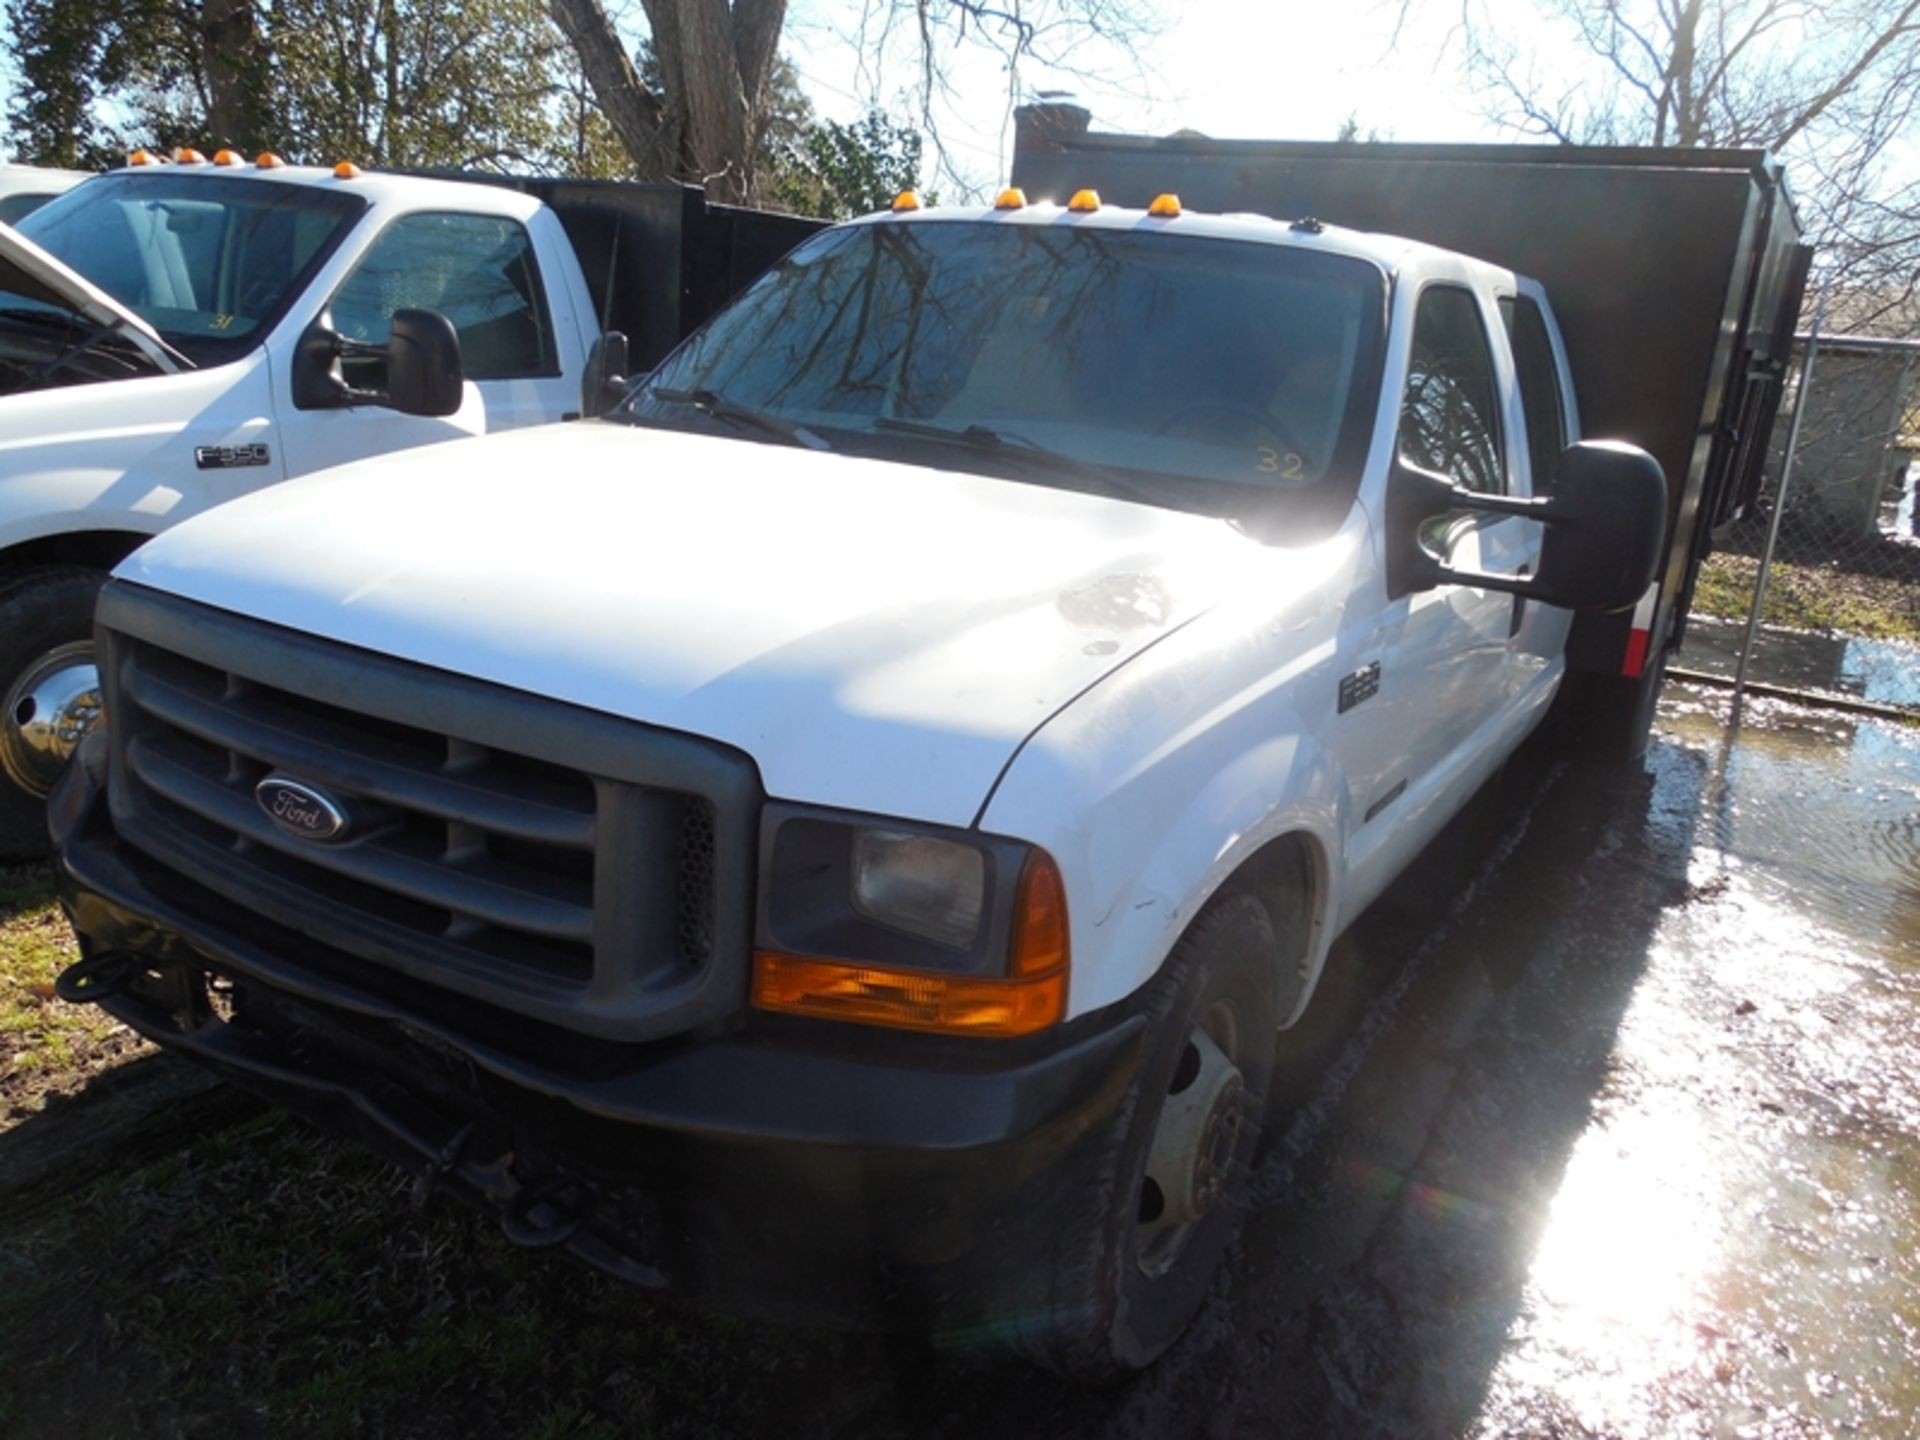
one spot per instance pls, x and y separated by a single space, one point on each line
270 1281
47 1048
1811 597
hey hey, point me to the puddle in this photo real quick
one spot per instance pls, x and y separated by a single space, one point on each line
1732 1248
1884 671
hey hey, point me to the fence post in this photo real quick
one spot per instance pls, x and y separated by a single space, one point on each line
1780 499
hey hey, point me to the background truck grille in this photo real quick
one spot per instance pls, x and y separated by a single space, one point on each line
582 869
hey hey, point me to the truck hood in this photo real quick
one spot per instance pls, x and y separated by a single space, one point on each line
877 636
28 270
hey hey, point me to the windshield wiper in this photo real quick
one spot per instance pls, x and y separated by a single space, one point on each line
741 417
985 438
96 331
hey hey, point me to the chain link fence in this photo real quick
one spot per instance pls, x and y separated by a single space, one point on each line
1841 611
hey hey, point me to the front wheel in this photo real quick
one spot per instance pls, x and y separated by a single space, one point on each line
1146 1225
50 689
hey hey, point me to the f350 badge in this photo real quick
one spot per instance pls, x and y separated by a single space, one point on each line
230 457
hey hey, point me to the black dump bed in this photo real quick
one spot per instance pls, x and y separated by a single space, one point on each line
1676 276
658 257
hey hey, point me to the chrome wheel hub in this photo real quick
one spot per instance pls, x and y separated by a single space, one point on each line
50 707
1193 1148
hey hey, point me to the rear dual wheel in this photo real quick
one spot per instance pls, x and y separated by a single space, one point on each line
1150 1219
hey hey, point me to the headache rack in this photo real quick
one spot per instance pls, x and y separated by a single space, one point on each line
568 866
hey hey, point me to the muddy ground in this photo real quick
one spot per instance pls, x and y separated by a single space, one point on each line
1608 1125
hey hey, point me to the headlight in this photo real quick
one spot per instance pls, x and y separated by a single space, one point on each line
917 927
921 885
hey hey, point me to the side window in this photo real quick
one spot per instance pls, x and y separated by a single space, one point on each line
477 270
1450 417
1539 388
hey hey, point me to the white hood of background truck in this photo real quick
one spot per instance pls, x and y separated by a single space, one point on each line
28 270
877 636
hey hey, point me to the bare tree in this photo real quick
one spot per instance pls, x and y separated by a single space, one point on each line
716 58
1832 84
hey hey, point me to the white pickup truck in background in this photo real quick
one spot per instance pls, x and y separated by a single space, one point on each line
177 333
25 188
853 834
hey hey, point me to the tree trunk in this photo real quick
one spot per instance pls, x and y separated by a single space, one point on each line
633 111
715 62
236 68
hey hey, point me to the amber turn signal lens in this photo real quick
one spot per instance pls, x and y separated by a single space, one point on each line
1031 997
906 999
1040 945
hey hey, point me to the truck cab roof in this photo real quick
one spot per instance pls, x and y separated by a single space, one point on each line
379 189
1388 252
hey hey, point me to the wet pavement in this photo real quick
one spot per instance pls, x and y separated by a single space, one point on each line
1610 1125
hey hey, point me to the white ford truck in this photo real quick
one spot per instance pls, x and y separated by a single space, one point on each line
852 835
179 332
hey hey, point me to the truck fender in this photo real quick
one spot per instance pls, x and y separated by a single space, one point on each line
1135 904
104 539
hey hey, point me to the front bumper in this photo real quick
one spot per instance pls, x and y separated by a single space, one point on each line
789 1169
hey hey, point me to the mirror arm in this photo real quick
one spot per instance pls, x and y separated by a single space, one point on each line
1539 507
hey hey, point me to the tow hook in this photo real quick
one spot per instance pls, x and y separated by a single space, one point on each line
545 1213
97 978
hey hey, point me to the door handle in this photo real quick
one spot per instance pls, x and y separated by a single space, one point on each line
1519 605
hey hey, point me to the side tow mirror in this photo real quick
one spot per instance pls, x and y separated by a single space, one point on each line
423 363
421 359
1605 523
604 382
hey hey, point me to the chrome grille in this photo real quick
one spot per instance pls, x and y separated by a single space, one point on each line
500 870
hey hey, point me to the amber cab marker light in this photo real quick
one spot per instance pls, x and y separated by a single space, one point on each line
1167 207
226 157
267 160
1011 198
1084 202
187 155
346 170
906 200
1030 998
141 157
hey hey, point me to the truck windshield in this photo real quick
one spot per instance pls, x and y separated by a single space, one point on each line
208 261
1199 373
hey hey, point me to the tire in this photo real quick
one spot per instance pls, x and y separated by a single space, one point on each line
1607 718
42 610
1118 1290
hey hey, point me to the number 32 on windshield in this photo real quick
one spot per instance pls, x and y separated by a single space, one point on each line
1287 466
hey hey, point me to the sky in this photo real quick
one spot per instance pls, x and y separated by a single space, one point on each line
1268 69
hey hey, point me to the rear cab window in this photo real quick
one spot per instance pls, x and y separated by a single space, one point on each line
1540 390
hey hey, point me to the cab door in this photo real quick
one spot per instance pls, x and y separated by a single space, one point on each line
1543 410
1453 651
483 273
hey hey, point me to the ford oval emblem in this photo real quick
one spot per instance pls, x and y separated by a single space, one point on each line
301 810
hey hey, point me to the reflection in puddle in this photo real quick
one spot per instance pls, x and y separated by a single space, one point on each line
1884 671
1732 1246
